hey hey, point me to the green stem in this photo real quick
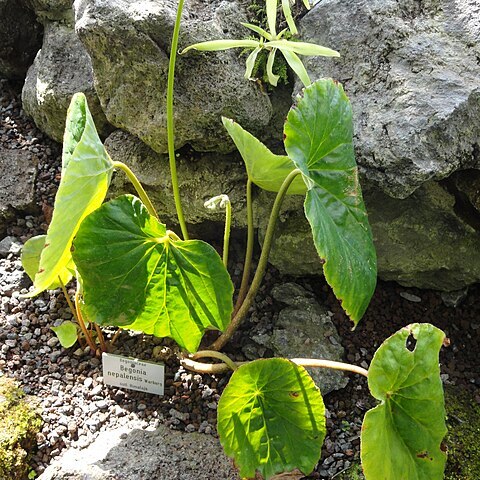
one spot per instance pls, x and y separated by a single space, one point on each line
170 121
262 265
226 235
217 368
67 298
100 337
138 187
247 265
87 335
214 354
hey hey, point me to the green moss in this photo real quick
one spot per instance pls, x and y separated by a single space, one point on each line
353 473
19 424
280 68
463 438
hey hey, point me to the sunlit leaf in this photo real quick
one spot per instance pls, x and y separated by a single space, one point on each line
318 139
30 258
271 418
264 168
272 78
82 189
66 333
302 48
271 9
250 62
255 28
138 276
288 16
401 437
297 66
215 45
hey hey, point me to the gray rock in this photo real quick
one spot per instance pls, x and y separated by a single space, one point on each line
133 454
304 329
422 241
128 43
54 10
16 188
61 68
201 176
20 37
411 70
9 245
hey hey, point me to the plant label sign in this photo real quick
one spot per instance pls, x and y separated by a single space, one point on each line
125 372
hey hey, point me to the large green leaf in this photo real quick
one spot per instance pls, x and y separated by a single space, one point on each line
401 437
85 180
271 418
30 258
264 168
135 275
318 139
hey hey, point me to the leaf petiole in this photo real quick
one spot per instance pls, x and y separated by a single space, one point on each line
138 187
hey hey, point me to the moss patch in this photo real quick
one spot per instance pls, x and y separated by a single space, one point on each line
19 424
353 473
463 438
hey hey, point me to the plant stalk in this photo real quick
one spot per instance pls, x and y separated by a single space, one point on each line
115 336
262 265
170 121
214 354
88 338
138 187
217 368
67 298
101 338
247 265
226 235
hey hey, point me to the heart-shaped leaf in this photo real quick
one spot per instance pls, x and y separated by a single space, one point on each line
85 180
401 437
66 333
30 258
271 418
264 168
318 139
136 275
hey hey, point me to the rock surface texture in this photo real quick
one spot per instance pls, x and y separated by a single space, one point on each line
18 187
20 37
61 69
133 454
129 46
411 70
304 329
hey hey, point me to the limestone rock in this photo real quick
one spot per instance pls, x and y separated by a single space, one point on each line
132 454
20 37
412 73
16 188
304 329
201 176
423 241
61 68
128 43
54 10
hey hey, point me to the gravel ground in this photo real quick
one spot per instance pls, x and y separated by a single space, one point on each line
77 405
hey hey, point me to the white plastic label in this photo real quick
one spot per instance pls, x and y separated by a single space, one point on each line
134 374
